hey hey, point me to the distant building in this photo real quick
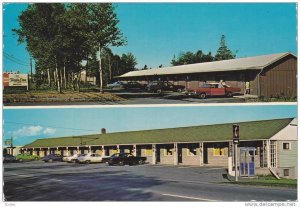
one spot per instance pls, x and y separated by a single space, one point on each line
272 75
87 79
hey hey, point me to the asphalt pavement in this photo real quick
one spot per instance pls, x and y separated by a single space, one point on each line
39 181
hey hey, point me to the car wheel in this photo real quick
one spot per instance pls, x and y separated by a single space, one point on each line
121 163
140 162
229 94
88 162
50 160
20 160
158 91
179 90
203 95
73 161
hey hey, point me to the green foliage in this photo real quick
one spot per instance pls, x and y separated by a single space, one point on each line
61 36
223 52
190 58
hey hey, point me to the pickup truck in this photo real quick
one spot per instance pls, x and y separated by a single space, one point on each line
213 89
123 159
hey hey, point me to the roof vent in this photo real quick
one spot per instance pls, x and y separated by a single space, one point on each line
103 131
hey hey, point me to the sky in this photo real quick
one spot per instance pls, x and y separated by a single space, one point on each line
157 31
27 125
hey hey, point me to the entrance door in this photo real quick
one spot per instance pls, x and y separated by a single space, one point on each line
179 154
205 155
157 154
247 164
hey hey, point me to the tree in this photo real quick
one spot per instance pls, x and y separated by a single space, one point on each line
103 30
191 58
128 62
223 52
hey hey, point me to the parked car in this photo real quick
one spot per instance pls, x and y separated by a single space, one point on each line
213 89
72 158
118 84
159 86
52 157
90 158
125 158
26 157
133 85
9 158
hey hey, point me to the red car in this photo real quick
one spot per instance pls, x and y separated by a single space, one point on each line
213 89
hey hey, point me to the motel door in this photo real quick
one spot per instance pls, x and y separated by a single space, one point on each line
247 164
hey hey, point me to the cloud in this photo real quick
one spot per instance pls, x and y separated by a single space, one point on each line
28 131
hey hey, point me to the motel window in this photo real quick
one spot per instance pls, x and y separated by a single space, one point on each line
286 146
286 172
191 151
168 151
148 152
219 150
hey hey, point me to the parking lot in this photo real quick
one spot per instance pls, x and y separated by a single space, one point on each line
39 181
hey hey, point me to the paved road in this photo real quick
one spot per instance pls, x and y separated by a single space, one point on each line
38 181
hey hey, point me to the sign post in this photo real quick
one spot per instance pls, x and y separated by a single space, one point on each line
236 140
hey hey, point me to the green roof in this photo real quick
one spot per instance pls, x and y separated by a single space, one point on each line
254 130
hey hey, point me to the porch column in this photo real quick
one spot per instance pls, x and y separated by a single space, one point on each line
134 150
103 151
201 153
153 154
90 149
268 153
175 154
48 151
118 148
67 151
78 151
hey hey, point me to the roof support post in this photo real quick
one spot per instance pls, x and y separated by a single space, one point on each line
153 154
90 149
103 150
78 151
134 150
201 153
175 154
268 153
118 148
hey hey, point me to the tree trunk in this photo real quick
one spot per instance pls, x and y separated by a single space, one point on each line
109 68
86 69
54 78
65 79
61 78
57 79
78 81
49 78
100 70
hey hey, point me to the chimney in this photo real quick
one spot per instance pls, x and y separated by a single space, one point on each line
103 131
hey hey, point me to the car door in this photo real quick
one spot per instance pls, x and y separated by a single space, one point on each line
217 91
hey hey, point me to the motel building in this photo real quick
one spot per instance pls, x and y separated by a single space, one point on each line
264 146
273 75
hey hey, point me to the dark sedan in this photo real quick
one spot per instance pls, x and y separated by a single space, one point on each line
124 159
52 157
9 158
159 86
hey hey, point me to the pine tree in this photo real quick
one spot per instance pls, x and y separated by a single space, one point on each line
223 52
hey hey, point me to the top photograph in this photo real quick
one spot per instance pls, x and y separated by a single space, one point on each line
148 53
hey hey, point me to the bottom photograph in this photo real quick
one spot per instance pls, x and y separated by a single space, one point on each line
154 153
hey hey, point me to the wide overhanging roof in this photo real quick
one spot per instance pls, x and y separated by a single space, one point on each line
249 63
255 130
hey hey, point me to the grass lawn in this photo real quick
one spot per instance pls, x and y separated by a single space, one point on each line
268 181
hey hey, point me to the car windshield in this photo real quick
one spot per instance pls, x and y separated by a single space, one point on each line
115 155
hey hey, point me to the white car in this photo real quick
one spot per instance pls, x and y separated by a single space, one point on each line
72 158
91 158
117 84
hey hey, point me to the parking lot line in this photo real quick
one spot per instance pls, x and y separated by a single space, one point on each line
188 197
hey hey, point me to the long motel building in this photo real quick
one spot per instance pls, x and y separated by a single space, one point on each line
267 146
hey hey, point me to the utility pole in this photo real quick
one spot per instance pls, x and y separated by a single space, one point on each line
236 140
